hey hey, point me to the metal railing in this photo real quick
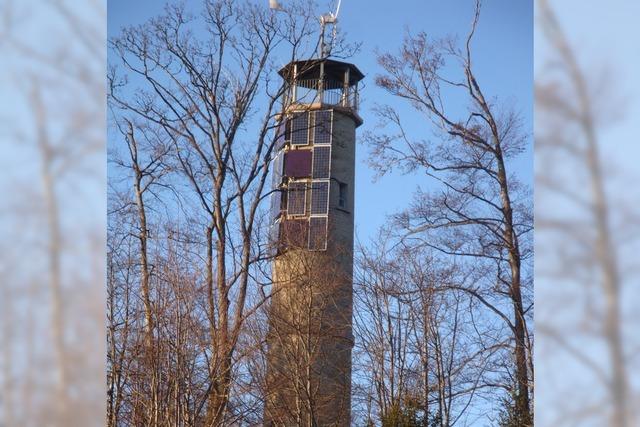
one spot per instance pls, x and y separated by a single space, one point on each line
307 92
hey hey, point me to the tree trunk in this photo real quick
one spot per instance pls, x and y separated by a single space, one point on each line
523 407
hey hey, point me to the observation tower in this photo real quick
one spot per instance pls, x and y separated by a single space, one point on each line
312 217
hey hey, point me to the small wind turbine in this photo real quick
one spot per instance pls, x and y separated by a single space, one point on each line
274 5
328 18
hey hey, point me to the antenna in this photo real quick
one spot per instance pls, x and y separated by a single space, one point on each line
328 18
338 9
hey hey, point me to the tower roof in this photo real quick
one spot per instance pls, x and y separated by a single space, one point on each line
333 70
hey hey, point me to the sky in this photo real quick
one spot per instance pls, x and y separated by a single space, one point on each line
604 38
502 57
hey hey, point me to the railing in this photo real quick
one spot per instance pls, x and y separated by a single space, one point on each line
306 92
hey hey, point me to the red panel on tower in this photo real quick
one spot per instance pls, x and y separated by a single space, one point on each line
297 163
294 233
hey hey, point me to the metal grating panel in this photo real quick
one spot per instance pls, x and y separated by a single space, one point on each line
318 233
300 129
296 198
320 198
322 128
321 162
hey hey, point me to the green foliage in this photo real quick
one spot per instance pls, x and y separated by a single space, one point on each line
409 415
401 416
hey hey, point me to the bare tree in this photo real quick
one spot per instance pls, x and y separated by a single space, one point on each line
120 306
480 210
145 161
201 91
422 358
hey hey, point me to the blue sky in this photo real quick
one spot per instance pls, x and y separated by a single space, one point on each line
503 59
504 65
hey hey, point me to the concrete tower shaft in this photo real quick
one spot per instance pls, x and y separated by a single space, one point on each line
310 333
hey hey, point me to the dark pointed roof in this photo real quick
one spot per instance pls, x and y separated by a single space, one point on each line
333 70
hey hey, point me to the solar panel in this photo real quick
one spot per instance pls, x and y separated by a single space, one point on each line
278 163
276 204
318 233
322 128
276 181
300 129
296 198
319 197
281 134
321 162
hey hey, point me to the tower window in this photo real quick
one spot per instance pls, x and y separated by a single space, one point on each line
342 195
